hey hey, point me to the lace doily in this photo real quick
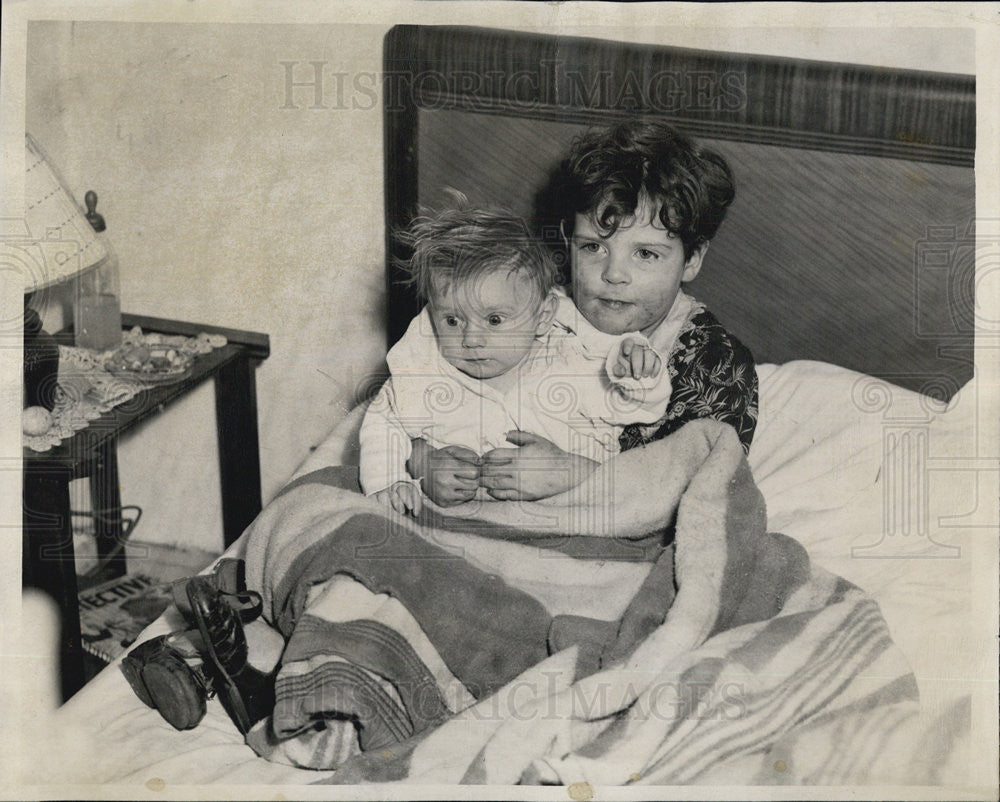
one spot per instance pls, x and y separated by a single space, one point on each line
86 390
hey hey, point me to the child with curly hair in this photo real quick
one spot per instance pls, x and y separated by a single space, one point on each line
636 205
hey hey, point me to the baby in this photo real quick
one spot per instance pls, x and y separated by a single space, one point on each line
487 355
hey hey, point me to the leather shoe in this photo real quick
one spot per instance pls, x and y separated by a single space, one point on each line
228 577
246 693
168 675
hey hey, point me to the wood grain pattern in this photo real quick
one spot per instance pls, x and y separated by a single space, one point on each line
821 256
400 176
834 252
809 104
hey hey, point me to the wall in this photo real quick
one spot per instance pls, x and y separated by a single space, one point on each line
227 208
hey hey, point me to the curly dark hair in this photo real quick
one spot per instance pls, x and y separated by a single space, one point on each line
610 172
457 245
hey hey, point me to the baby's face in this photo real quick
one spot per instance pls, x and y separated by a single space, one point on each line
487 325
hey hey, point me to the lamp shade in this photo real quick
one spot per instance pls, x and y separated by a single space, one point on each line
54 242
51 244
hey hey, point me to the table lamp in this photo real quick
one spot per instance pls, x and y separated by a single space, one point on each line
50 246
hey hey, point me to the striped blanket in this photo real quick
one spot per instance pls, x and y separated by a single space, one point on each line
665 638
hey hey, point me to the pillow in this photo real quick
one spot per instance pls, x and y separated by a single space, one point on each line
875 481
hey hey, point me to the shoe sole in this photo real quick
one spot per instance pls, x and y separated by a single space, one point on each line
132 669
180 701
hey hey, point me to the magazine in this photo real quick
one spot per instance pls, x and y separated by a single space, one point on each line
113 613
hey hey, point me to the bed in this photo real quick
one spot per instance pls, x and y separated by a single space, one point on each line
851 237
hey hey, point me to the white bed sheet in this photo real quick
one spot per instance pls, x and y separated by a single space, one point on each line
881 485
866 475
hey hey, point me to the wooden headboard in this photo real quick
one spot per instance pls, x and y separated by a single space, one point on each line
851 237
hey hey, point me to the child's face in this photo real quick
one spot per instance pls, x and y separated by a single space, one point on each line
486 326
629 281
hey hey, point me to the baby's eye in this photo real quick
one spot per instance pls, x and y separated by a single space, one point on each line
647 255
589 247
451 320
495 320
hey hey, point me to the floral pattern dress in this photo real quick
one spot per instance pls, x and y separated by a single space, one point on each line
712 375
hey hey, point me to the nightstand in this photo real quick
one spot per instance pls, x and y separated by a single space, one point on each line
48 561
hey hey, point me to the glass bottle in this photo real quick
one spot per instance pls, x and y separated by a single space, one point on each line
98 315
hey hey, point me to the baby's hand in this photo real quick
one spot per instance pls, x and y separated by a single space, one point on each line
403 497
636 359
450 475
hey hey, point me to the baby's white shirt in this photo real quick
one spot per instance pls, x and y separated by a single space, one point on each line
564 391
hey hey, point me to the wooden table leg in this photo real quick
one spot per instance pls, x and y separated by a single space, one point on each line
239 448
106 502
48 564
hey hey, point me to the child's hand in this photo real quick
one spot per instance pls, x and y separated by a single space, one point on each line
450 475
636 359
403 497
536 468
